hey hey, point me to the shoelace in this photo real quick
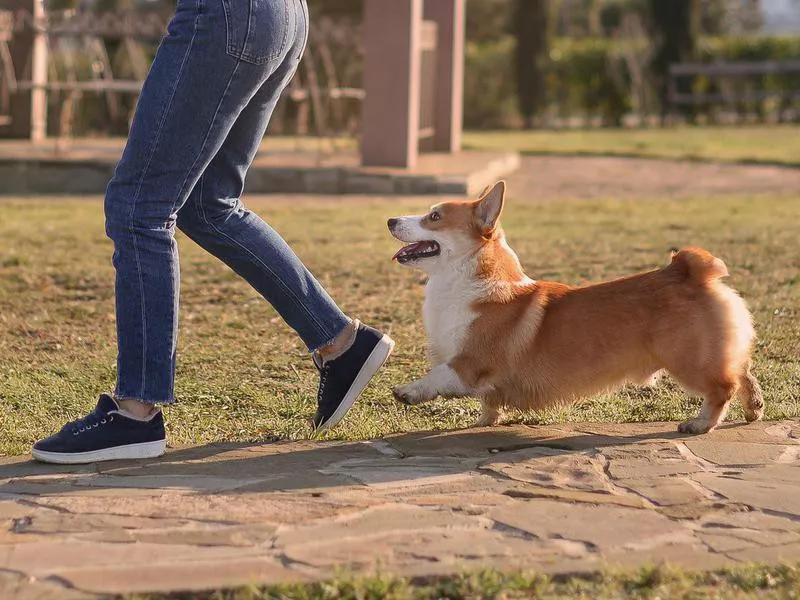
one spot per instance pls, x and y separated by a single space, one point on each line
85 424
323 378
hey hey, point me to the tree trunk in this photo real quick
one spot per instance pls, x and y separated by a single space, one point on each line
673 38
530 29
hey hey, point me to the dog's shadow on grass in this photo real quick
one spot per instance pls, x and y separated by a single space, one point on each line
314 466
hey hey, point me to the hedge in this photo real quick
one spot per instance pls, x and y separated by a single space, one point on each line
592 77
586 79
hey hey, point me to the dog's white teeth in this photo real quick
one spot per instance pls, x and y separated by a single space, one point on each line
418 250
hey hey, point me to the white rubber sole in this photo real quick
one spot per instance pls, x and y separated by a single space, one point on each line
131 451
380 353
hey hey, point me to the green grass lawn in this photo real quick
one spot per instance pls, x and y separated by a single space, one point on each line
741 583
243 375
753 144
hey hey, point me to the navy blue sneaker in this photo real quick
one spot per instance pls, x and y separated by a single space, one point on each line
342 379
104 434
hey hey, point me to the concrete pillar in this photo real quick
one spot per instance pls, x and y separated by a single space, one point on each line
29 54
449 16
392 30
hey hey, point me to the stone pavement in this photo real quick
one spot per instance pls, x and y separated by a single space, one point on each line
558 499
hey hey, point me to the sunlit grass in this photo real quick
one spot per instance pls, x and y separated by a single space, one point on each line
243 375
778 144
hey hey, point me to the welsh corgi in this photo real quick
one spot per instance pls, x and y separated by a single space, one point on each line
497 335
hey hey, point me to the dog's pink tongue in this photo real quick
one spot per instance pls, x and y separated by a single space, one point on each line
407 249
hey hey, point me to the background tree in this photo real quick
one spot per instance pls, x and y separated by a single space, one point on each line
487 20
530 29
670 25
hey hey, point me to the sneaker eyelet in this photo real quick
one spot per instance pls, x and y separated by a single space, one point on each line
96 424
103 421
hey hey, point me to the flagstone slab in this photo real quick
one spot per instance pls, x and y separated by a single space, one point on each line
756 489
655 459
550 467
186 576
720 453
769 554
22 587
600 527
689 556
665 491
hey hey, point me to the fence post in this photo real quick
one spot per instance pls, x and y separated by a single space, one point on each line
28 48
39 74
392 32
449 16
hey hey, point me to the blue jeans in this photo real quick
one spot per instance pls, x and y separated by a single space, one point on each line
202 114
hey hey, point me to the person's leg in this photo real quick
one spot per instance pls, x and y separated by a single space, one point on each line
194 94
215 217
216 56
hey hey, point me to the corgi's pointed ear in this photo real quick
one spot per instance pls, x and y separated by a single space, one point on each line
489 207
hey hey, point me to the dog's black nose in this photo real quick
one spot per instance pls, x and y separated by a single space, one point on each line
392 223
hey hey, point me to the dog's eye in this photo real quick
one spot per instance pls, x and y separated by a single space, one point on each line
435 216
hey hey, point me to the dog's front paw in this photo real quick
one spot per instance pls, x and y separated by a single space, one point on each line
401 395
695 426
411 393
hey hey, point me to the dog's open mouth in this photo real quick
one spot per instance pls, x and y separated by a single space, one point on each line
417 251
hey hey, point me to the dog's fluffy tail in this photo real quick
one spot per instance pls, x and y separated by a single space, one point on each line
698 265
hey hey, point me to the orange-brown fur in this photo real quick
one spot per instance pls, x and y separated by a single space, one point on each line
589 339
533 344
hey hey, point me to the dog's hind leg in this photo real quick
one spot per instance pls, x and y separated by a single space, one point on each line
717 401
750 395
491 411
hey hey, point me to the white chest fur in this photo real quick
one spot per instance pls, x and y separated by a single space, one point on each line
447 314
